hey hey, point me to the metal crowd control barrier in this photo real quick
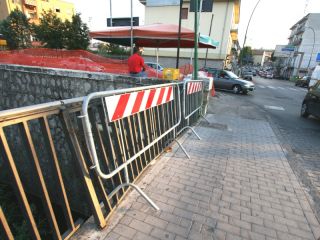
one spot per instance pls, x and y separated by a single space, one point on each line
139 119
46 153
28 154
191 103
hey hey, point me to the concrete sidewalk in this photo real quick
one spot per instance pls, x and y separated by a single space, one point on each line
237 185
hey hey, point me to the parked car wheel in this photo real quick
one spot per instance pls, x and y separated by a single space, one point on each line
304 110
236 89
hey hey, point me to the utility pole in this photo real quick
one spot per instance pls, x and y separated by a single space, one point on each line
196 39
205 61
131 24
110 13
314 40
179 33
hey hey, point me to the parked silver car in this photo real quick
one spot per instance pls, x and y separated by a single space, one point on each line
227 80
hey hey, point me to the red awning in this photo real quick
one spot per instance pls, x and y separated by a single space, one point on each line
155 35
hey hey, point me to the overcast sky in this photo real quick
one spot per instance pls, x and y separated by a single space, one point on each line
270 24
272 20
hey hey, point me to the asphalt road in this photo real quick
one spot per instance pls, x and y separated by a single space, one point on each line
279 102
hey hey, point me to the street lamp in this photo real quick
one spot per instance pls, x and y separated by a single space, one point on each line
314 40
245 36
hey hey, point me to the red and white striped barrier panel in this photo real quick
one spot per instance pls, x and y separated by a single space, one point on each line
194 87
124 105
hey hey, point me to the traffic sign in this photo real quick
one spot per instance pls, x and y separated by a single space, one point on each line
288 48
318 57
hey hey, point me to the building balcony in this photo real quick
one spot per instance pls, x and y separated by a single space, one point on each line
300 30
234 34
296 41
32 3
293 33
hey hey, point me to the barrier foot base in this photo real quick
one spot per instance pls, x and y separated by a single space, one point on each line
194 132
138 190
205 118
183 149
191 130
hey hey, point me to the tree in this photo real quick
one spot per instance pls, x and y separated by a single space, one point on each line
112 49
16 30
51 30
245 56
77 33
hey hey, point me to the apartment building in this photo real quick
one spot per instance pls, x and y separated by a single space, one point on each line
305 41
34 8
222 16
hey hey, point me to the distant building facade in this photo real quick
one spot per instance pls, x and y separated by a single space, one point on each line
34 8
261 56
222 15
305 39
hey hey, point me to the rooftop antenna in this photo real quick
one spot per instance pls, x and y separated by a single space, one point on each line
306 6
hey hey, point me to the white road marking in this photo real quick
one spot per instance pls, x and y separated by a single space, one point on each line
293 89
282 88
274 107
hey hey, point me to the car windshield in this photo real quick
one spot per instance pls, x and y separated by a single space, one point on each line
231 74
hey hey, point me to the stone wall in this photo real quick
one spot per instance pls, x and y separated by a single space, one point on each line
24 85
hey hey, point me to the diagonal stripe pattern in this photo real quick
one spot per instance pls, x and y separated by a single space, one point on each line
124 105
194 87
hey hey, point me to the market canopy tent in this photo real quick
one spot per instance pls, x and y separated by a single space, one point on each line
155 35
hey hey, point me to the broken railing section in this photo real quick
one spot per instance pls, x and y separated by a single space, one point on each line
99 144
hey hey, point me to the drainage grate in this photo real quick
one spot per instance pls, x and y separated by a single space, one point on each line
218 126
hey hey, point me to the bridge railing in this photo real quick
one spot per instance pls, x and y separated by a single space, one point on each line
32 183
64 161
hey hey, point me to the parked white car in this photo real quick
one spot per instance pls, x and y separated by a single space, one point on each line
315 76
155 66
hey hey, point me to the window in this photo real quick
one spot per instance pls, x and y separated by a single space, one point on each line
32 15
206 5
57 10
184 13
157 3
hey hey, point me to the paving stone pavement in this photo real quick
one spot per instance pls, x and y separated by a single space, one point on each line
238 184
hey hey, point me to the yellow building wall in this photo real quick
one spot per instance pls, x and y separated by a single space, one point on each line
63 9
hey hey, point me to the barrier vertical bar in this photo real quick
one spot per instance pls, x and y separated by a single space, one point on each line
26 209
75 147
5 226
63 195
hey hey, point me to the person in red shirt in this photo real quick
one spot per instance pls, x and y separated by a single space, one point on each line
136 63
